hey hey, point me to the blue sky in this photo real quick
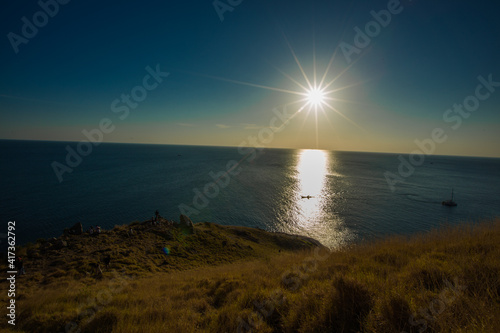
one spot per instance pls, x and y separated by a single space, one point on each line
428 58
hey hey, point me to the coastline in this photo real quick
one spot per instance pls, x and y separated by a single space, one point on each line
139 248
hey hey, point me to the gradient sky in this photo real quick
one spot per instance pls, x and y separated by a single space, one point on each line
428 58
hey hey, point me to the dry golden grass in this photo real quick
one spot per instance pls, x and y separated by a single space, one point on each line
447 280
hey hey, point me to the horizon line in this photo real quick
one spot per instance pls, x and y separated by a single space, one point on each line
230 146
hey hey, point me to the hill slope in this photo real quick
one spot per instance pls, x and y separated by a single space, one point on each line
443 281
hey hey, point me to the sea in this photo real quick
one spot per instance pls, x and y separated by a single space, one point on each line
336 197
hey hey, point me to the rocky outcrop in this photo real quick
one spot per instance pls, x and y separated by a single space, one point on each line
77 229
59 244
186 225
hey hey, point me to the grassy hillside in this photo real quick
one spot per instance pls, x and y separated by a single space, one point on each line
235 279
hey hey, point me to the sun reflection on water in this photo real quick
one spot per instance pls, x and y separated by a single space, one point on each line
318 199
312 170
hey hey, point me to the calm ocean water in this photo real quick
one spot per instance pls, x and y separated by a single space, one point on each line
350 198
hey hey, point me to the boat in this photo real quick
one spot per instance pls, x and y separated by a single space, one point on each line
306 197
449 203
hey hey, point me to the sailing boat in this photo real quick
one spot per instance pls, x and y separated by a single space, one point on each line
450 202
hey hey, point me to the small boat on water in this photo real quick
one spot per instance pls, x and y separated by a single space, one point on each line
306 197
449 203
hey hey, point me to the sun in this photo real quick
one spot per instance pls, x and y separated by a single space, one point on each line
317 94
315 97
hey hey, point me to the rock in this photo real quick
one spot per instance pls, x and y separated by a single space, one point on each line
77 229
186 225
59 244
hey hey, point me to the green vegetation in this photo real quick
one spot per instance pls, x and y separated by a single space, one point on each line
230 279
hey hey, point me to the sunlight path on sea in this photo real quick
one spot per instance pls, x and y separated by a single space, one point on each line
312 169
318 199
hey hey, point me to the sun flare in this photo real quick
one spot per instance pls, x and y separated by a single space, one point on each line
315 97
317 94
